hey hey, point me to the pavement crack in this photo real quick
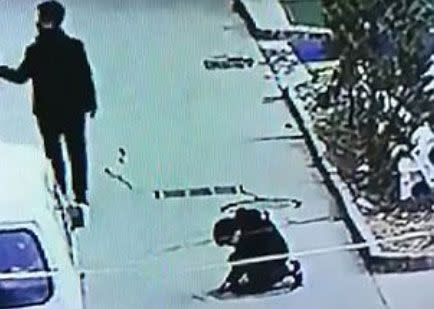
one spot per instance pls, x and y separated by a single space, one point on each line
119 178
307 221
279 202
278 138
379 291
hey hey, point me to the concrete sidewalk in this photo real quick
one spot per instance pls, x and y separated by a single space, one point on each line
395 290
290 73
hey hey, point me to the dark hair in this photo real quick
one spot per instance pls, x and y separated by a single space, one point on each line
51 11
251 219
224 229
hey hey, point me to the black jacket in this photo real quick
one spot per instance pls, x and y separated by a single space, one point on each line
257 240
60 73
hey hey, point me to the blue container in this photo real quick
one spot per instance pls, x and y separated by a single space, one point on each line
310 49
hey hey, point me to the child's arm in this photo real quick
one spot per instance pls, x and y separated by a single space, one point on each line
232 278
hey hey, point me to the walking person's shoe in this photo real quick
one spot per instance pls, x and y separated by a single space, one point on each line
82 203
86 213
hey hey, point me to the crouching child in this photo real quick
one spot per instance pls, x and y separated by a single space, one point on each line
252 234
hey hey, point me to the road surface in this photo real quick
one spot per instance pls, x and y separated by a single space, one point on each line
182 126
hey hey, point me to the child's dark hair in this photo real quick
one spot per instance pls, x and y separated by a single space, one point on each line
251 219
51 12
224 229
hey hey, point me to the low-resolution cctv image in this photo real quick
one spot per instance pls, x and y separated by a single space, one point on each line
217 154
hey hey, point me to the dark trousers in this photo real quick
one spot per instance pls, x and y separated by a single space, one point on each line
73 130
262 276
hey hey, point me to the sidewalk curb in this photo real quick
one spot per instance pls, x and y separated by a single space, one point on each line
374 258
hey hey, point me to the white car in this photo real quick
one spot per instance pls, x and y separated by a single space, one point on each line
37 246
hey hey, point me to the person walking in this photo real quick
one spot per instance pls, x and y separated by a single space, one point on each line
63 93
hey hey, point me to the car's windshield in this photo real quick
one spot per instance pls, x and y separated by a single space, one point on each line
20 251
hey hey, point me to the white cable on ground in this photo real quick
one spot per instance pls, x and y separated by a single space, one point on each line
318 251
139 266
